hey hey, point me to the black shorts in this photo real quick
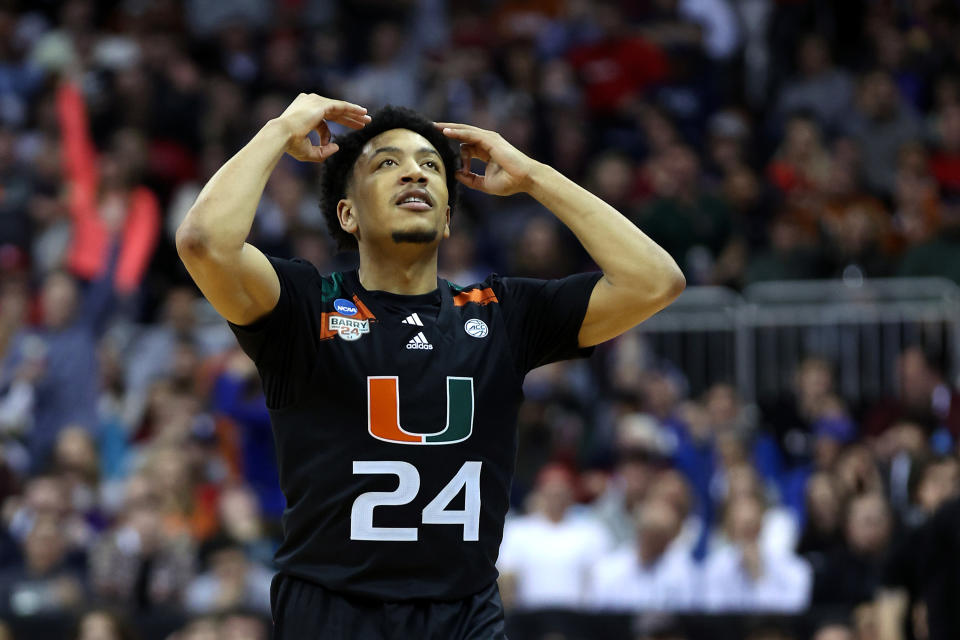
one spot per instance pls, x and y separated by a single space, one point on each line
304 610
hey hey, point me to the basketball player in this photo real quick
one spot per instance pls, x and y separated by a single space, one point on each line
394 394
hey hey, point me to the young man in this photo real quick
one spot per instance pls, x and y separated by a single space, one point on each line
394 394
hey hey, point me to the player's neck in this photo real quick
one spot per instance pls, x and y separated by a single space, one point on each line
398 273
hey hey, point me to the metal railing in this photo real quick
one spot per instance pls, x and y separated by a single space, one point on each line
756 339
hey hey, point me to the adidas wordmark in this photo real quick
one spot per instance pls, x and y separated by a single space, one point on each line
419 341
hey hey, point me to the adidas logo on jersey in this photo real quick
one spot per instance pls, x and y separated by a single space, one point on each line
412 319
419 341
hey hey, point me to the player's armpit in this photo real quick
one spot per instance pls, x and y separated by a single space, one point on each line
613 311
243 286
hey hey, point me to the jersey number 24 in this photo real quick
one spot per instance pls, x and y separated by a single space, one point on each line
361 514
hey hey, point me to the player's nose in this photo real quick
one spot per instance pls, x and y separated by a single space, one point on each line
413 172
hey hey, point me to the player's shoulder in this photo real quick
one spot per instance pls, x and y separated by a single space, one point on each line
309 279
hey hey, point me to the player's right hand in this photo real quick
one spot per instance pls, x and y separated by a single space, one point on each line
310 112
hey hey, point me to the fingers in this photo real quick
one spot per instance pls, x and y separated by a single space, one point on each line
319 153
346 113
307 152
457 125
353 123
470 179
470 151
324 132
471 135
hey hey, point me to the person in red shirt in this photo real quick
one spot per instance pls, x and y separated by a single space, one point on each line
108 210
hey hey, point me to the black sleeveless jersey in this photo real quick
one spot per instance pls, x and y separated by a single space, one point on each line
395 422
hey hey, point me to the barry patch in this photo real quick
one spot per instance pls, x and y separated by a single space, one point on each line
348 328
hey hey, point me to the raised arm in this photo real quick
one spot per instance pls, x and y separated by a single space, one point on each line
233 275
639 277
79 154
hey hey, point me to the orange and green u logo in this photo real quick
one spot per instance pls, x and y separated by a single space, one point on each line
383 412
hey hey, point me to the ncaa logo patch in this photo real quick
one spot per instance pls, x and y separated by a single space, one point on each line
476 328
349 329
345 307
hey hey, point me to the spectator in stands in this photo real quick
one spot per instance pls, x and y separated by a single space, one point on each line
924 397
64 348
850 575
48 579
899 601
237 394
241 521
791 255
749 578
230 580
898 450
619 66
945 161
103 624
188 505
642 450
820 87
856 228
822 532
801 165
546 556
149 354
114 217
779 531
916 200
692 225
881 125
672 487
137 564
790 419
937 256
652 574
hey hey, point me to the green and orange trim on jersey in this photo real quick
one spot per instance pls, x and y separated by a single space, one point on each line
478 296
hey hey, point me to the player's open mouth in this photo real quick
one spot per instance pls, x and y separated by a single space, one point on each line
415 200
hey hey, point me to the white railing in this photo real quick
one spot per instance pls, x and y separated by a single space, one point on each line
757 338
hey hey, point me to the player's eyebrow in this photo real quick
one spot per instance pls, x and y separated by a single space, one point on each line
399 150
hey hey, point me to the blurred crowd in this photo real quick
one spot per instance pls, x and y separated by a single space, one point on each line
753 139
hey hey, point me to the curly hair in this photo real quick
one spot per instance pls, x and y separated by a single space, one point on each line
336 171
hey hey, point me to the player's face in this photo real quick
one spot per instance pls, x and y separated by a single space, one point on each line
398 192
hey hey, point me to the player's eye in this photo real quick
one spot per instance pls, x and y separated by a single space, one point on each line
432 164
384 163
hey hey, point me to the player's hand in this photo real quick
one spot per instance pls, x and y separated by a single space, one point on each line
310 112
508 169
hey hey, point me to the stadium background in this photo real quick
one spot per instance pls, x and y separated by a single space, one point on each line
783 444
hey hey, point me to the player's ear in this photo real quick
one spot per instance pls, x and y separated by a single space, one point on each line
347 215
446 224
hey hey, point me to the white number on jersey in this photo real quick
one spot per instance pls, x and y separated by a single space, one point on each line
361 514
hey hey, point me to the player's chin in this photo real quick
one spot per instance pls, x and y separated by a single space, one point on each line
415 236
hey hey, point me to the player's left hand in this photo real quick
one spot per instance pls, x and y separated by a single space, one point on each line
508 169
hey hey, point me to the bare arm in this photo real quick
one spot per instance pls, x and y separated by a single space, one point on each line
233 275
639 277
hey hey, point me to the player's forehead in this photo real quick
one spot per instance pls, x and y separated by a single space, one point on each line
398 141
